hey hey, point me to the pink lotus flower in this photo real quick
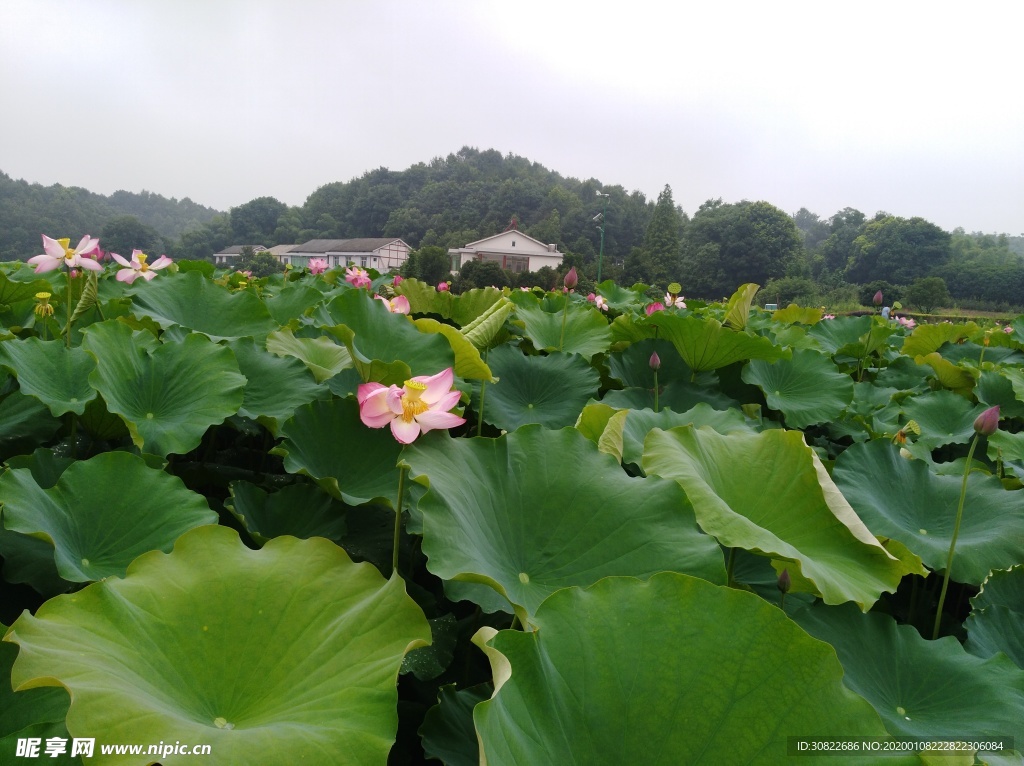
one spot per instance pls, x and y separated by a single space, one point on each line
443 287
910 324
1008 330
571 278
655 361
421 405
675 301
317 265
397 305
828 316
138 267
357 277
601 303
397 280
247 273
650 308
877 300
59 254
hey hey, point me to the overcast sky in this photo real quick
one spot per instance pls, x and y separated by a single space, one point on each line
915 108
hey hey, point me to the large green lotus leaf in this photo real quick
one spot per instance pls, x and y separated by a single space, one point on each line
473 304
447 732
618 297
102 513
994 388
19 710
550 390
927 338
924 689
768 493
322 356
56 375
1016 378
284 655
468 363
996 621
373 334
839 332
737 310
904 374
486 331
193 301
705 345
806 389
300 510
167 394
326 441
949 375
538 510
971 353
679 395
639 423
276 385
944 417
632 367
670 671
24 417
292 302
902 499
425 299
586 330
798 314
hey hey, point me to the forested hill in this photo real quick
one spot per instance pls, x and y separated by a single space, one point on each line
28 210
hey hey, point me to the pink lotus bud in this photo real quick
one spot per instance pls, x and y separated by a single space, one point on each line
442 287
784 582
655 361
591 297
571 278
877 300
987 423
650 308
397 280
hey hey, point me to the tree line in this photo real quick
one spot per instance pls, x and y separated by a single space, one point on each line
472 194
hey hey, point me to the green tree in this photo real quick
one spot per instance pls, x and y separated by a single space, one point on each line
126 233
661 247
837 248
261 264
898 250
727 245
480 274
928 293
255 222
432 265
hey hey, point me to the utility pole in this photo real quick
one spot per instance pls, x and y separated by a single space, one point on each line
604 214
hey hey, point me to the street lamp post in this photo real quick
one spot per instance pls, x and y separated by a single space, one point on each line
604 214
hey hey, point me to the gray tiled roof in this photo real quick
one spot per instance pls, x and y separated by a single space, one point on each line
361 245
237 249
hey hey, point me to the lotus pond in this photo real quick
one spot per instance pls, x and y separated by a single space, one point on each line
675 536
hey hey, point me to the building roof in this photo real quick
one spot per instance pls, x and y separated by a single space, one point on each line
282 249
237 249
360 245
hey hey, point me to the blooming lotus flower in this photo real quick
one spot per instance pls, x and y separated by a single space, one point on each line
138 267
650 308
397 305
673 300
571 278
421 405
443 287
317 265
59 254
987 423
601 303
1008 330
828 316
357 277
910 324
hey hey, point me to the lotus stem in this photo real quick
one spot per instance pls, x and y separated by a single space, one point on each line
67 329
480 414
655 390
565 314
398 519
956 533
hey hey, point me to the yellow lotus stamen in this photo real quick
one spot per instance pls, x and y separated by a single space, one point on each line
143 266
412 403
43 296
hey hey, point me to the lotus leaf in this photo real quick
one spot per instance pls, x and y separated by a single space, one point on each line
284 655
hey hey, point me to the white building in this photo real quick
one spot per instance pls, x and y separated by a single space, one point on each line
229 255
380 253
513 250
